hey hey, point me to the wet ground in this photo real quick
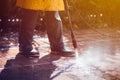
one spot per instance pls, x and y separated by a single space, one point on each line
98 59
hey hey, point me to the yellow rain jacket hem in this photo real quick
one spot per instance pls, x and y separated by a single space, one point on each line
46 5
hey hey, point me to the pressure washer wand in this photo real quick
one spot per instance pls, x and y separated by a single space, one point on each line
70 22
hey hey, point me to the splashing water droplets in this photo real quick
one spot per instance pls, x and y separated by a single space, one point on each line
77 57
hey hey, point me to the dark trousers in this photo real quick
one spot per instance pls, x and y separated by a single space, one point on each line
53 26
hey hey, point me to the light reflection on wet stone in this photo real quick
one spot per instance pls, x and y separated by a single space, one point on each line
98 60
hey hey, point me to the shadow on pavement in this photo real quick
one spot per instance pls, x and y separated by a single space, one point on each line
22 68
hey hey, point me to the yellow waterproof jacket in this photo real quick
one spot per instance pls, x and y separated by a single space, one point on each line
46 5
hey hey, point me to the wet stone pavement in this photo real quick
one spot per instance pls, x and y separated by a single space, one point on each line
98 59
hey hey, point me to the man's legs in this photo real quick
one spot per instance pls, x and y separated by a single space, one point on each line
54 29
28 23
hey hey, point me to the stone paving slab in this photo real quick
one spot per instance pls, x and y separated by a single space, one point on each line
98 59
